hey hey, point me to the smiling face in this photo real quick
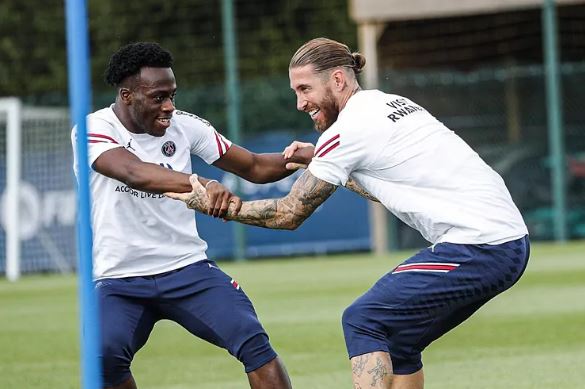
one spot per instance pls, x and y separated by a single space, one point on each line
149 100
315 95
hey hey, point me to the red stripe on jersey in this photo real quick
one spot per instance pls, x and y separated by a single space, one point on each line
428 264
102 136
227 147
334 145
425 267
326 143
219 145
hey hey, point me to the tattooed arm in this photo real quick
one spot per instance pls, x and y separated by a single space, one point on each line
354 187
288 213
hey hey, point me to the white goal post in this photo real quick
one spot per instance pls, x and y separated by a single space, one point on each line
12 109
38 203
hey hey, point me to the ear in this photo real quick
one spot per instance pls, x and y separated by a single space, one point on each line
339 79
125 95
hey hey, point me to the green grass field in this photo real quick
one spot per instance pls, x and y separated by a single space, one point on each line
532 336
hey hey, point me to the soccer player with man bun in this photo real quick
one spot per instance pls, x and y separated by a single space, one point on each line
149 261
390 149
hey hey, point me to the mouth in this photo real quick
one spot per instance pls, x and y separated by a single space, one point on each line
314 113
164 121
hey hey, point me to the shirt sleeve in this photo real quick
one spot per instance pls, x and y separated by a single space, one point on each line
205 141
101 137
337 154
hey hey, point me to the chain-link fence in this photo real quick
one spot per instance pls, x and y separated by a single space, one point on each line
483 76
501 112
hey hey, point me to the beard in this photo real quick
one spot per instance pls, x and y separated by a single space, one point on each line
329 112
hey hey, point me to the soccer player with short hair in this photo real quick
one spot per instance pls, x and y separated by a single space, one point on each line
149 261
390 149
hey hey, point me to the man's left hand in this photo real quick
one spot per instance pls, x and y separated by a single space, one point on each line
298 155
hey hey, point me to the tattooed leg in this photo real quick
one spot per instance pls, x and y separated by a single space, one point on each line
372 370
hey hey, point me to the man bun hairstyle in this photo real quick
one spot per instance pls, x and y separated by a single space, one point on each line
359 62
325 54
129 59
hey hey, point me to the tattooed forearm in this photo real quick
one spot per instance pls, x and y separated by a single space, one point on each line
257 213
289 212
354 187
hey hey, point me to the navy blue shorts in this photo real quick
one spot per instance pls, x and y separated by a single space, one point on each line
200 297
428 295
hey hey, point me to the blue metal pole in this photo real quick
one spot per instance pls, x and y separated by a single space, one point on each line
79 97
555 120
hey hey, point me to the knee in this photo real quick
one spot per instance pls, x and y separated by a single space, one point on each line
255 352
361 319
352 315
113 347
362 330
115 362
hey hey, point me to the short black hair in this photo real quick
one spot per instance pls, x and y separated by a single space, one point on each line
129 59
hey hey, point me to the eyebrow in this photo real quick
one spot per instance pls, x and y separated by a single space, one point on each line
300 86
161 90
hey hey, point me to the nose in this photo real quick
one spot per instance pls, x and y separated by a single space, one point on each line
168 105
301 103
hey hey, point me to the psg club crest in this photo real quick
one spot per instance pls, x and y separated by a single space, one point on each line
169 148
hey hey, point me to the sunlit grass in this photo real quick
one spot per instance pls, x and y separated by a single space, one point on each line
530 337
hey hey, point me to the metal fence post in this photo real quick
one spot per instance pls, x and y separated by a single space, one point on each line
555 119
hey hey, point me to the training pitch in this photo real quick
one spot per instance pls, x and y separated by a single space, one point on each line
532 336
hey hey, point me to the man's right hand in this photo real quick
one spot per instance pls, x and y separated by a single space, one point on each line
220 199
214 201
196 199
300 155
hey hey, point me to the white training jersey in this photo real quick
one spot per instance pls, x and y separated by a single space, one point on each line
420 170
137 233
